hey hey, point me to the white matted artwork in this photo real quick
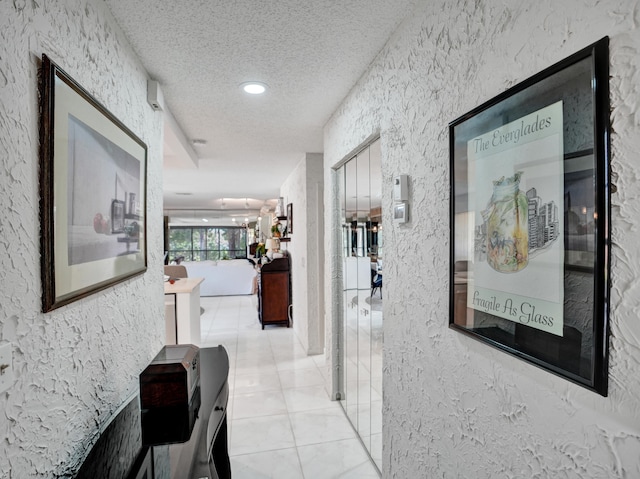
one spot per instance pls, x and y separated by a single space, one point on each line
93 188
530 219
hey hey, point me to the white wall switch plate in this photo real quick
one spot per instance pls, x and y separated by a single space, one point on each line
401 188
6 367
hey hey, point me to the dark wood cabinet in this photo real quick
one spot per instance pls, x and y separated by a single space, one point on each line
274 292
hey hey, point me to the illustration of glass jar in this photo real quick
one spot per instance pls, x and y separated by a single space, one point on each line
507 230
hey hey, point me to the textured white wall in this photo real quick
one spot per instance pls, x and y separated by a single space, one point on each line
314 225
293 190
306 249
454 407
76 365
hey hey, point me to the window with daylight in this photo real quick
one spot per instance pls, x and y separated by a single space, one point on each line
207 243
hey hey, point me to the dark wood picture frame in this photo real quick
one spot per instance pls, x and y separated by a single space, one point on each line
578 87
289 219
90 163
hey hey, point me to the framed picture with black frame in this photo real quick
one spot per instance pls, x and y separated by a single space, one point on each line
90 165
289 218
530 219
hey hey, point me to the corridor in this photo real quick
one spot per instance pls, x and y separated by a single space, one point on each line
281 421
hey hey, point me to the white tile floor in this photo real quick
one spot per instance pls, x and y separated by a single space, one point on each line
281 421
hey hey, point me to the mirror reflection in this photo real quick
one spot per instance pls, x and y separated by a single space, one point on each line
362 256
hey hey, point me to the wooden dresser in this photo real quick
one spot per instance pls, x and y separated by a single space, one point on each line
274 292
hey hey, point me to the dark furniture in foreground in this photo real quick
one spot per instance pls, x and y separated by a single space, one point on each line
274 292
120 453
170 395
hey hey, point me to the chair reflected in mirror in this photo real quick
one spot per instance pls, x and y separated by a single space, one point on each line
376 282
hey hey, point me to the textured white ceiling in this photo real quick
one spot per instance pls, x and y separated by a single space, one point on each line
309 52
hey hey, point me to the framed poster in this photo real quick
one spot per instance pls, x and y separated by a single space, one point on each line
530 219
289 219
91 166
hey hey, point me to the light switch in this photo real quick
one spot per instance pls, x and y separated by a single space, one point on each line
6 367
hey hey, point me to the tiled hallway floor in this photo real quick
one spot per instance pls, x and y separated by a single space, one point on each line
281 421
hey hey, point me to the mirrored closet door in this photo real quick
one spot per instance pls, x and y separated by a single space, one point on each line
362 259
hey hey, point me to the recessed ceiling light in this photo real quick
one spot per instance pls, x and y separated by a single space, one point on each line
254 87
205 220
